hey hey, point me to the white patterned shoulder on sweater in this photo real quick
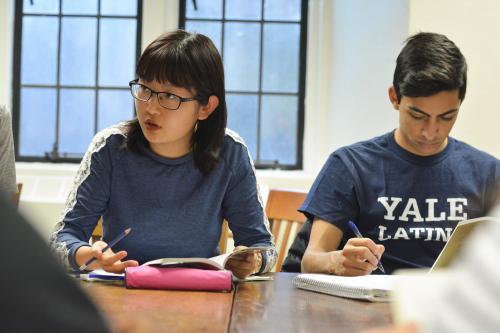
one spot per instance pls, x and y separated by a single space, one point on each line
98 142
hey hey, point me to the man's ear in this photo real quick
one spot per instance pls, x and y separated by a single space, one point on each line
207 109
393 98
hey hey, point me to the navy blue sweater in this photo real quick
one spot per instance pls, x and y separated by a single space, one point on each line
173 210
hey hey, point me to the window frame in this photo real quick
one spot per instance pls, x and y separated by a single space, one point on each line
54 155
301 82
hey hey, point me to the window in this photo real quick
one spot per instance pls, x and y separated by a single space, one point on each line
263 45
73 60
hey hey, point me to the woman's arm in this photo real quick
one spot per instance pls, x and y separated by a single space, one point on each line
88 199
244 210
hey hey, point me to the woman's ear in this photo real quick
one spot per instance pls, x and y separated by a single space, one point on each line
207 109
393 97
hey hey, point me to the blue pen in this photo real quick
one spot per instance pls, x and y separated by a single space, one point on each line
358 234
112 243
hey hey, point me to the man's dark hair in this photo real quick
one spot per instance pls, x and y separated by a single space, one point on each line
429 63
191 61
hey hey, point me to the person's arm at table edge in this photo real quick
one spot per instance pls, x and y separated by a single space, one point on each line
325 238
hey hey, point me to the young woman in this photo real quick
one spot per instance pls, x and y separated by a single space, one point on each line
172 174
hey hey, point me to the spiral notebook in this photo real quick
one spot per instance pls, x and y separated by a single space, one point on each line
374 288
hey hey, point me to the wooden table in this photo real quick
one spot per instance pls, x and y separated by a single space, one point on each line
165 310
264 306
279 307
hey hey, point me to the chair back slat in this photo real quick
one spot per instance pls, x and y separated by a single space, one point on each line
17 196
284 204
281 210
97 233
224 236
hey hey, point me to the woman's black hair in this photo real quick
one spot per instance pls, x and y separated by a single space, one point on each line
428 64
191 61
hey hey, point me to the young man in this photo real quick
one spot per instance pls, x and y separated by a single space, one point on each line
405 190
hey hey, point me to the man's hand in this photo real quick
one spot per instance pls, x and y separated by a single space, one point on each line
109 261
359 256
245 264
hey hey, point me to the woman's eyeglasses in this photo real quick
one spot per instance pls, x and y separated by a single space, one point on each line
165 99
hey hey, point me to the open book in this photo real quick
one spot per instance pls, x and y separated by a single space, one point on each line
461 232
375 288
214 263
180 273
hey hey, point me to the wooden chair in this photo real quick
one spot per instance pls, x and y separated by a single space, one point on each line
224 236
17 196
97 233
285 220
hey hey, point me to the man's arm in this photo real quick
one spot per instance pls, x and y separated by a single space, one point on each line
325 238
359 256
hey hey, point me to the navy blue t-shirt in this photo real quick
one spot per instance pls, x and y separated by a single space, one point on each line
406 202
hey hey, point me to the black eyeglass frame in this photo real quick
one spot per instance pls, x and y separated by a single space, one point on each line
179 98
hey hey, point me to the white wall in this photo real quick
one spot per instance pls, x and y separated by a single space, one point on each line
475 27
352 46
158 16
366 38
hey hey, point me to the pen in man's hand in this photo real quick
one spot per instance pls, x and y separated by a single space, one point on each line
110 244
358 234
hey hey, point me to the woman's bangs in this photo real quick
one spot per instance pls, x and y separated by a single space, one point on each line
166 67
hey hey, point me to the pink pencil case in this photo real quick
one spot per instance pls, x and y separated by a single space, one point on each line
151 277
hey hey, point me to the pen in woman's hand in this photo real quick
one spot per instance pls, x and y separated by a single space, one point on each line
358 234
112 243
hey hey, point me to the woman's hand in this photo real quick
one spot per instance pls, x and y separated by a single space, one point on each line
359 256
245 264
109 261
